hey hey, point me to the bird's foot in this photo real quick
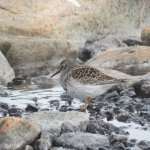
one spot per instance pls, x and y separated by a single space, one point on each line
86 105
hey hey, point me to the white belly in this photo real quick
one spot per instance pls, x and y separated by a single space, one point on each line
82 92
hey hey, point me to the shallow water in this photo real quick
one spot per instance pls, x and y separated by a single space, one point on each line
20 98
135 131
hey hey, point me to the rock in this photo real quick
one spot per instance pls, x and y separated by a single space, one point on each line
6 71
34 57
131 60
80 140
95 128
123 100
131 42
18 129
119 146
44 143
145 35
142 88
31 108
109 115
144 145
123 117
4 105
68 127
101 127
113 96
3 112
4 47
94 45
28 147
128 92
130 108
51 121
13 111
115 138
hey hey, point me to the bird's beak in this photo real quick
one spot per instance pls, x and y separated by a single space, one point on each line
56 73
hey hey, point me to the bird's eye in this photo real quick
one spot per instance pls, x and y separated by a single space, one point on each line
63 67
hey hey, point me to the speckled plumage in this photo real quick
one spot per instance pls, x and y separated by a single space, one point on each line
82 81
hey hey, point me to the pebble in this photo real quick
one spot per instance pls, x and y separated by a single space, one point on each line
68 127
16 112
3 112
31 108
4 105
130 92
95 128
123 117
118 138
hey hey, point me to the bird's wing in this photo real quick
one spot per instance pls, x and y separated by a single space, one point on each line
89 75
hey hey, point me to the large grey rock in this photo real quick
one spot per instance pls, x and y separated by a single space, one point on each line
94 45
51 121
80 140
38 56
131 60
16 133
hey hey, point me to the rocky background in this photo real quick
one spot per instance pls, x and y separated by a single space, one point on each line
110 34
36 36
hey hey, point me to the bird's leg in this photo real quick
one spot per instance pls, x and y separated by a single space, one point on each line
88 101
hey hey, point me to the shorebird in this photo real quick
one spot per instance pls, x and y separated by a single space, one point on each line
84 82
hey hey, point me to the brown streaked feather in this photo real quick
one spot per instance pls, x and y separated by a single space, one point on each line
89 75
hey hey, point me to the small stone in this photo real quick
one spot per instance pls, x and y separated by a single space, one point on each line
131 42
54 103
128 92
3 112
4 105
94 128
144 145
117 138
109 115
63 108
142 88
117 110
31 108
16 112
42 144
130 108
113 96
68 127
123 100
119 146
123 117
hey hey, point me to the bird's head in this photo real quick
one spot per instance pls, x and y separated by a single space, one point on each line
65 65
